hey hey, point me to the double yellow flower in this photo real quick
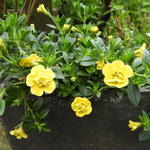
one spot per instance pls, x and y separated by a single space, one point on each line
40 80
117 74
30 61
81 106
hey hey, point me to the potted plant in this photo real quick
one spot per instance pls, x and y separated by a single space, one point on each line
89 75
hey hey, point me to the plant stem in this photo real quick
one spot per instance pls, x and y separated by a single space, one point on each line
53 19
103 88
31 112
4 58
21 51
142 75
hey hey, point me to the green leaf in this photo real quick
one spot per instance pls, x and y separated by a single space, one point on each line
1 73
98 43
2 92
58 73
146 56
85 91
44 113
144 136
37 104
134 94
87 61
51 26
2 107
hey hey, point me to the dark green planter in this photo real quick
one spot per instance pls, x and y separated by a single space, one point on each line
105 129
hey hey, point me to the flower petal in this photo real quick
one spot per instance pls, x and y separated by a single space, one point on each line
49 89
128 71
35 90
107 69
50 73
118 64
80 114
117 83
30 79
37 69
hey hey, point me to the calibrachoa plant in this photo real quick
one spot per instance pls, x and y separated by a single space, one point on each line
72 60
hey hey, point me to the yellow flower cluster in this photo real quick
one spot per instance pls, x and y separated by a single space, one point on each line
42 9
82 106
139 52
94 29
117 74
100 65
41 80
19 133
30 61
134 125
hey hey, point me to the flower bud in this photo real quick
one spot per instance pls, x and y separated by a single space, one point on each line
42 9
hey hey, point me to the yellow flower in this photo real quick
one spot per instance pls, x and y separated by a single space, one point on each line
73 79
110 37
66 27
19 133
134 125
30 61
117 74
139 52
82 106
40 80
3 49
100 65
148 34
2 45
94 29
42 9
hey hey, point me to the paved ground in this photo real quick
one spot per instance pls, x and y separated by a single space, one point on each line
4 142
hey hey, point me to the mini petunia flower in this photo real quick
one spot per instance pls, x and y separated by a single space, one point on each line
148 34
19 133
100 65
2 45
134 125
139 52
66 27
30 61
94 29
110 37
117 74
73 79
81 106
40 80
3 49
42 9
